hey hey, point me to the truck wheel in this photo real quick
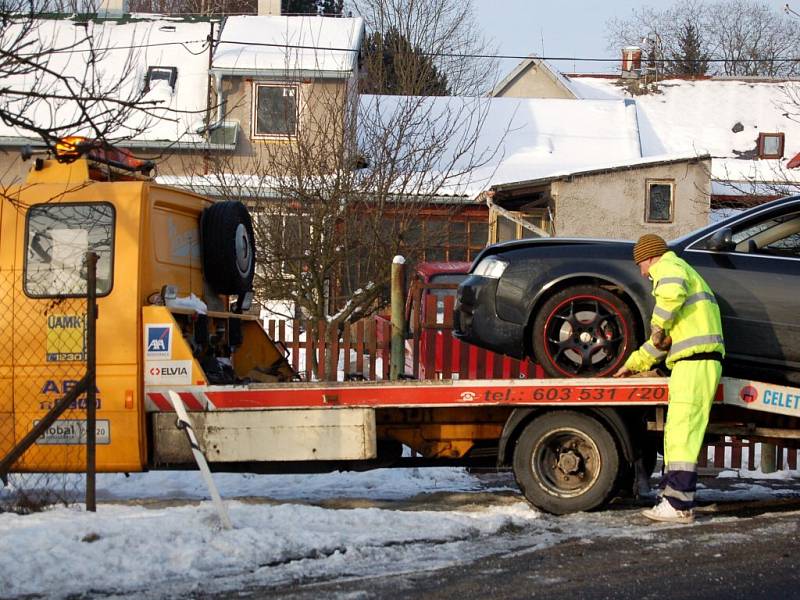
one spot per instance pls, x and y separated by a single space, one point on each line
566 462
229 251
583 331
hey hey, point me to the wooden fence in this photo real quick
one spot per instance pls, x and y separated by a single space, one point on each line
361 349
362 352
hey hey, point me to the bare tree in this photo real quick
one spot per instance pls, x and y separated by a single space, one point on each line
445 31
334 203
753 39
737 37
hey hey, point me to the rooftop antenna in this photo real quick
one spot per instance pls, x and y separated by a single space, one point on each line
541 35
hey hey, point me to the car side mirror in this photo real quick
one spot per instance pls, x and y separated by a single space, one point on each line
721 240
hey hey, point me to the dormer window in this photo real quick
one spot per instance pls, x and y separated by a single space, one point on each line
156 74
770 145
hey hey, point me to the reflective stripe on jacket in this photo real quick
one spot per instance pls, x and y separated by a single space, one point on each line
685 309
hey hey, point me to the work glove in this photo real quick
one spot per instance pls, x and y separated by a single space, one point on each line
660 339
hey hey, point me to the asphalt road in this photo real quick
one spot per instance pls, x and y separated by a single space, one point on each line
708 560
736 549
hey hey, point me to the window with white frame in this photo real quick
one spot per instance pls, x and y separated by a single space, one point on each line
659 203
274 110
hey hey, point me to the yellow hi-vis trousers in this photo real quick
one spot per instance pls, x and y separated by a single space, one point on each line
692 387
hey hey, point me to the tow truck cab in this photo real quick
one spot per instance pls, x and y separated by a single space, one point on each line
148 241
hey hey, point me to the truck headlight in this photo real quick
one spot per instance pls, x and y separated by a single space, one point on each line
491 267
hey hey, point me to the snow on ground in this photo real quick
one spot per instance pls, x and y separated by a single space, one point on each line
129 549
287 528
378 484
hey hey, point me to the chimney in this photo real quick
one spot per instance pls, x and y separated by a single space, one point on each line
112 9
269 7
631 62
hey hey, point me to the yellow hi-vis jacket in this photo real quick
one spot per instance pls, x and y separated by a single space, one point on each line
686 310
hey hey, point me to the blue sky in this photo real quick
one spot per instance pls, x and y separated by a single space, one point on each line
567 28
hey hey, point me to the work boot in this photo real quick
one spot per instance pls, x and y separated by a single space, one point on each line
664 511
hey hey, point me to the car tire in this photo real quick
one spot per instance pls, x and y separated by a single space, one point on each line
229 251
566 462
583 331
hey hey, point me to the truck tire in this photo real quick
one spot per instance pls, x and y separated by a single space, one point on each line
583 331
228 245
565 462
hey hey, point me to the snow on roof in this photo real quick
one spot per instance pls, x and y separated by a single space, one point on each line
514 140
123 53
595 88
304 44
517 139
702 117
603 166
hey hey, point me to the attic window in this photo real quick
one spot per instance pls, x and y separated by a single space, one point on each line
156 74
770 145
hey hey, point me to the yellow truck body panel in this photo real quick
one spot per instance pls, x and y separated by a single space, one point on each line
154 241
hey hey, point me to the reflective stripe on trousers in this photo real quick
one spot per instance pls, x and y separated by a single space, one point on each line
679 488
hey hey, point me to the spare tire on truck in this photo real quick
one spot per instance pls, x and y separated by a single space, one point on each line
228 245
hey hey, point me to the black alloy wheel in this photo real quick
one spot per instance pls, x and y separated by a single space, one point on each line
583 331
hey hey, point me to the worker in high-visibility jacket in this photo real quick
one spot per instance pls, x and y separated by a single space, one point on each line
686 330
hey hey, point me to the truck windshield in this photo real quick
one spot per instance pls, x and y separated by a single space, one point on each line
58 236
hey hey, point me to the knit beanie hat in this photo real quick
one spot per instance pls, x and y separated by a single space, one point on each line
648 246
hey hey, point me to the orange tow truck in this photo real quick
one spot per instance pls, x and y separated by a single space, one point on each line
174 279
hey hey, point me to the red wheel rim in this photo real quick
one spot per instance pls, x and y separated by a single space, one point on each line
585 336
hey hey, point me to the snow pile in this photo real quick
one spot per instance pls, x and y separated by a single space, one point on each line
124 549
175 549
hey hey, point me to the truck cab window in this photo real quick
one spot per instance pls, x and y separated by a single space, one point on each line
58 236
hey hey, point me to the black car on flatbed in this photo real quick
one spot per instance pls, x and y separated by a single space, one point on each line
579 306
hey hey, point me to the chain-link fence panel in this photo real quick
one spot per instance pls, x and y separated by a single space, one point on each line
43 353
